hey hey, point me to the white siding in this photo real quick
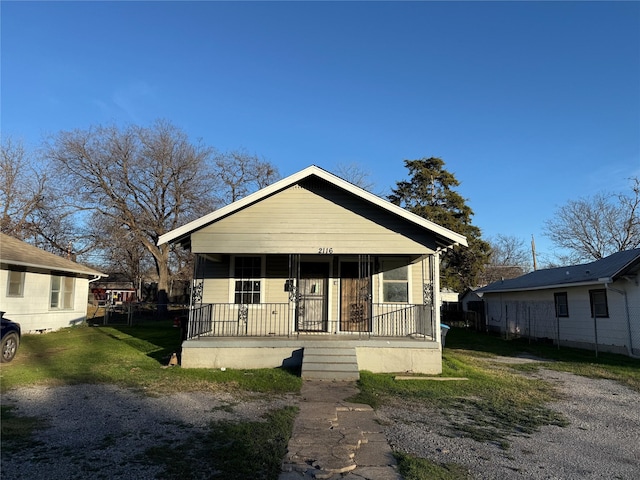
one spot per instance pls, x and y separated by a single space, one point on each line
532 313
32 310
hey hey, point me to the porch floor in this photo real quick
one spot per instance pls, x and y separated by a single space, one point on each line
311 340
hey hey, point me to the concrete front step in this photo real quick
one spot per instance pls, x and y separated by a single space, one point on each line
321 363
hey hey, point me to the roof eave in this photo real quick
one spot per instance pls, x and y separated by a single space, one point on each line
546 287
56 268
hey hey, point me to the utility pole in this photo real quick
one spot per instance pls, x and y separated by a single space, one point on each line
533 252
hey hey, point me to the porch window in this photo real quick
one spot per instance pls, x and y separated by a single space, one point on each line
598 300
15 284
62 291
247 274
395 282
562 304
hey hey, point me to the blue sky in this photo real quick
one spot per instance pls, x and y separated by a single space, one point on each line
530 104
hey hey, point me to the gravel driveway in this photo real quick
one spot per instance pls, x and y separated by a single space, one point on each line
602 440
100 431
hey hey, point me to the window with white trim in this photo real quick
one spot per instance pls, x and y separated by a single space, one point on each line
15 284
247 272
62 292
395 281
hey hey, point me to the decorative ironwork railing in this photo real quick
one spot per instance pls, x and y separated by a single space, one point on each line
278 320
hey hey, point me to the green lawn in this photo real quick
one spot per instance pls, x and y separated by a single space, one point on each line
134 357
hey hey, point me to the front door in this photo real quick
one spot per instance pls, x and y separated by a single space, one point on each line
355 297
312 300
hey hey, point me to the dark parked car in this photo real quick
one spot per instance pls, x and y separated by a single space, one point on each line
10 338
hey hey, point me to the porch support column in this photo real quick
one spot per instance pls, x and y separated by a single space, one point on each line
197 283
294 296
195 298
435 281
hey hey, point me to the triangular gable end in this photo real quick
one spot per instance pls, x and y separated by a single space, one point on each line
312 217
314 209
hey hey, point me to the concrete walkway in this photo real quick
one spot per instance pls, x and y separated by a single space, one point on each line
334 439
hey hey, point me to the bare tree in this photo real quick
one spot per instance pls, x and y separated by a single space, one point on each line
356 174
509 258
592 228
143 181
242 173
119 249
31 210
509 250
21 189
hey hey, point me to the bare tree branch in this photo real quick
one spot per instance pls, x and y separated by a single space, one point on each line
242 173
595 227
146 181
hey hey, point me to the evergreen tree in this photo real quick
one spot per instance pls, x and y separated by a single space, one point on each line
430 194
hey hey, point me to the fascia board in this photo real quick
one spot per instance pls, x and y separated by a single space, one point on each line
543 287
454 237
227 209
40 266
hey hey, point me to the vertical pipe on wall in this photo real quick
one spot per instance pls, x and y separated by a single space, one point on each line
595 332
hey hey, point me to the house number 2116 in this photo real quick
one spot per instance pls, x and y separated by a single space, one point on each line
325 250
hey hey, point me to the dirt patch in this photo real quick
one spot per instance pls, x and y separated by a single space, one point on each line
102 431
601 439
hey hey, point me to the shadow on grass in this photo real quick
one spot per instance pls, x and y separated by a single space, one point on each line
229 450
465 339
620 368
158 339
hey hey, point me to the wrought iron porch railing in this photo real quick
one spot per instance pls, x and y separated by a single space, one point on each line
403 320
278 320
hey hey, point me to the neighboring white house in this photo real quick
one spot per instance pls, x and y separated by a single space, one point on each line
593 305
313 263
40 290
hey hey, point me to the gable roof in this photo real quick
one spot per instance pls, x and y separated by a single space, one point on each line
600 271
446 238
18 253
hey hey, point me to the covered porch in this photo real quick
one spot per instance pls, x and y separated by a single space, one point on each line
337 315
286 295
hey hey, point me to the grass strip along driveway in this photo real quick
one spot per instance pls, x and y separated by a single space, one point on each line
497 399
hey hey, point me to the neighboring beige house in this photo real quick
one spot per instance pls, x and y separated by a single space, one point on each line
316 271
594 305
40 290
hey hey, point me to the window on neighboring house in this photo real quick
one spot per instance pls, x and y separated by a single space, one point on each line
395 282
598 299
247 274
562 304
62 292
15 285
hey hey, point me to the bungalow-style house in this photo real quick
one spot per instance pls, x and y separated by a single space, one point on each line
594 305
40 290
314 271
